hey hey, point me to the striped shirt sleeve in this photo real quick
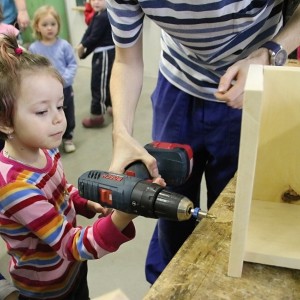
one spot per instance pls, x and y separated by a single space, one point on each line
126 24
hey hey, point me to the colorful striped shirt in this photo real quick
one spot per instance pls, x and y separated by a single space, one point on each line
38 210
200 39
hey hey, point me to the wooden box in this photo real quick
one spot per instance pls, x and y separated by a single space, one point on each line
266 228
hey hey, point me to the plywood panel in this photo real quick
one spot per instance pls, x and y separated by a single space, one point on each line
273 234
269 164
246 168
278 159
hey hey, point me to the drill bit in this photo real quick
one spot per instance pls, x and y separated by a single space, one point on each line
200 214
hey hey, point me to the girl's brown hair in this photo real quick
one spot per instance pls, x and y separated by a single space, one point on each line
39 14
14 61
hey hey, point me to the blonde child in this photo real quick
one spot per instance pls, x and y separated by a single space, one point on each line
38 206
46 26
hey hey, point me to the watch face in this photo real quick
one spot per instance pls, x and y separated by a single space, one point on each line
280 58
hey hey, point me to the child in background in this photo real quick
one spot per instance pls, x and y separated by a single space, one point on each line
88 12
98 39
38 206
46 26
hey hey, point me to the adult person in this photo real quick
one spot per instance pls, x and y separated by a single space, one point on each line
207 48
15 12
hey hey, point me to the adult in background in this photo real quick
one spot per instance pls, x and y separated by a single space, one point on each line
207 47
15 13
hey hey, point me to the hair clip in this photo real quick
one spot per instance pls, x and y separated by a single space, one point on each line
18 51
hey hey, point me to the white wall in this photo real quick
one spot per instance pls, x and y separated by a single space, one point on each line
151 33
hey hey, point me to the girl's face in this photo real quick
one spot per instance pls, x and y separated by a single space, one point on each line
39 119
47 27
98 5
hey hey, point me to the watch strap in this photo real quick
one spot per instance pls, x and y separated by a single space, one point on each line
272 46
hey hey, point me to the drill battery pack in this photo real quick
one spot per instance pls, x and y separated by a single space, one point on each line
174 162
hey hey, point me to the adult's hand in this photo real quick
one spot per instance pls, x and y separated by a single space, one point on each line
126 150
232 83
23 19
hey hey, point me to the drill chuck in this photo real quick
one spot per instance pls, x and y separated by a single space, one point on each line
173 206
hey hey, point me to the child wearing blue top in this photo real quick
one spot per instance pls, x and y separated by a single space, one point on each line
46 26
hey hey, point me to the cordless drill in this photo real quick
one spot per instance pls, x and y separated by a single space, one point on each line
134 193
136 196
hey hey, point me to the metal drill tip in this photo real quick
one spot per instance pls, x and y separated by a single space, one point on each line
210 216
200 214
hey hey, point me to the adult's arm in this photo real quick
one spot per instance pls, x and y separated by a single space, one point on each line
125 86
23 17
232 94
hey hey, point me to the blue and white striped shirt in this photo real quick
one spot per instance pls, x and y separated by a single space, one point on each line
200 39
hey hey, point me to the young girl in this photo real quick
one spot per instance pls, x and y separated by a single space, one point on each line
46 26
38 206
98 39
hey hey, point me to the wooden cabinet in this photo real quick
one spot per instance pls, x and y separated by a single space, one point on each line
265 227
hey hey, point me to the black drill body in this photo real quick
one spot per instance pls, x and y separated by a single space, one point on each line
133 195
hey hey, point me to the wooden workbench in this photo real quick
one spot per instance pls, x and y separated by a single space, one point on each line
199 269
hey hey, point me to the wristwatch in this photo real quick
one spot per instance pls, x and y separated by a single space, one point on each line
278 56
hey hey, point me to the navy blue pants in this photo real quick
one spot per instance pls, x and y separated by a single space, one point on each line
69 110
101 70
212 129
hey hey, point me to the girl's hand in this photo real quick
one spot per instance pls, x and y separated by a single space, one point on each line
97 208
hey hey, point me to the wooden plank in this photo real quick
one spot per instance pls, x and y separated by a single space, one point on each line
269 161
278 159
246 167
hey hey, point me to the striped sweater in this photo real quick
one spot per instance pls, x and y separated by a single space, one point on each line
38 223
200 39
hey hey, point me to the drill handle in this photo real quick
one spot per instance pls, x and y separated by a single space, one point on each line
138 169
